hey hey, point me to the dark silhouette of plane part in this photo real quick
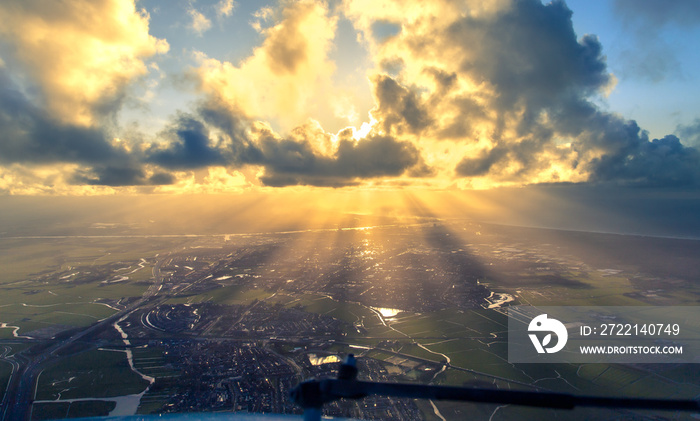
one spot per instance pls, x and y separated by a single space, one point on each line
311 395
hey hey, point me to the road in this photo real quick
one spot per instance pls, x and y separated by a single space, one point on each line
12 360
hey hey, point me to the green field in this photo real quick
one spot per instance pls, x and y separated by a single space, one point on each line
476 343
78 409
50 411
47 320
92 374
52 284
234 294
589 289
151 362
26 258
5 372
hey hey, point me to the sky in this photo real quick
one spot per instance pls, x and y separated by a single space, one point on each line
112 97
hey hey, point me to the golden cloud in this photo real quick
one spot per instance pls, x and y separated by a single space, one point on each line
200 23
489 91
83 53
288 78
225 8
32 180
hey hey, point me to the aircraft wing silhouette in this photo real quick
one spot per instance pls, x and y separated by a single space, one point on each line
311 395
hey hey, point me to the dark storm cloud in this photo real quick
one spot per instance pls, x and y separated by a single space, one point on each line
120 176
470 167
190 146
161 178
537 75
373 157
628 156
660 162
544 77
398 108
238 150
293 160
531 56
219 115
289 162
29 135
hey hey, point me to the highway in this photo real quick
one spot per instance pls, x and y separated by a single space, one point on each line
12 360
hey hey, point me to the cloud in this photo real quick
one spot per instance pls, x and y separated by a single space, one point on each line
42 154
118 176
288 78
225 8
505 96
188 146
398 108
465 95
309 155
536 74
29 134
54 179
82 54
489 85
530 57
690 133
470 167
657 163
261 17
216 136
288 162
200 23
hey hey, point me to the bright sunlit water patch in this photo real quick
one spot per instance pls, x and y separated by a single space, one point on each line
387 312
319 360
498 299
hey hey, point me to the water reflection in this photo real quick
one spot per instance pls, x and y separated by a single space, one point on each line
387 312
326 359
